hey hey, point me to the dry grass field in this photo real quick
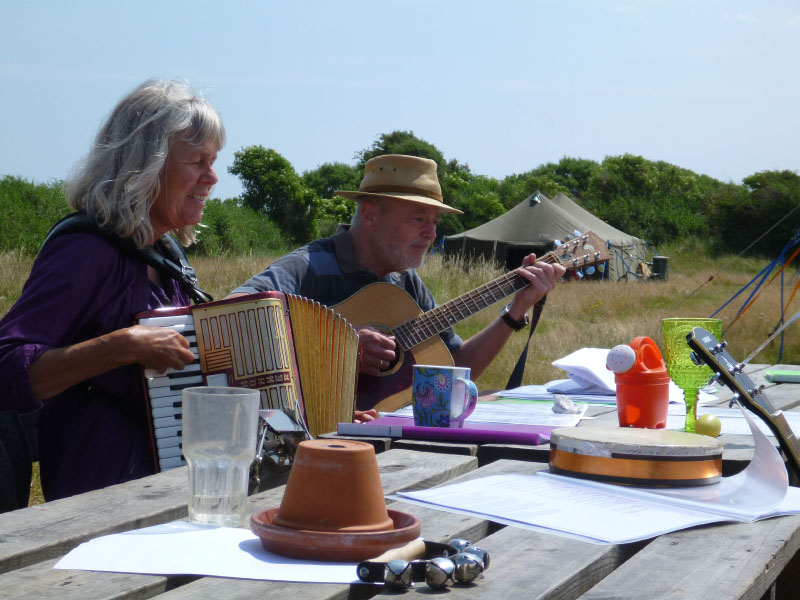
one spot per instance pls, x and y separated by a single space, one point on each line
578 314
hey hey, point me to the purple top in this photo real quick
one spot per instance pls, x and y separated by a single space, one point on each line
93 434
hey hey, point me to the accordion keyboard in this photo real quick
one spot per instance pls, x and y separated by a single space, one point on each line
164 391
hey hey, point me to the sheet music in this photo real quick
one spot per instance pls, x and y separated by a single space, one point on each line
523 414
605 513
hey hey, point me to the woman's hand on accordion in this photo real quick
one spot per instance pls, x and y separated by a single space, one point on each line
377 350
158 348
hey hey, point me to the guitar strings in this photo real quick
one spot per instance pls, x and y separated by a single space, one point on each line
440 318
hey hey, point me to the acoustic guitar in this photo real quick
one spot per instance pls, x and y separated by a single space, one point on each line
392 311
707 350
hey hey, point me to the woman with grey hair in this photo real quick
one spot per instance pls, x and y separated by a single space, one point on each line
69 346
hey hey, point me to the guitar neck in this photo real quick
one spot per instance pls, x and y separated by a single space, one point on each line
444 316
708 350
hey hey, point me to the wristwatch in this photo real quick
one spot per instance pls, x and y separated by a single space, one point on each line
511 321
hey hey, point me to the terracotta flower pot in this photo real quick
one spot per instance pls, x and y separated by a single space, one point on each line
333 545
334 485
333 507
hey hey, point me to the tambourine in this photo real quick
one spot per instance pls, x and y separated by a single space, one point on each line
647 457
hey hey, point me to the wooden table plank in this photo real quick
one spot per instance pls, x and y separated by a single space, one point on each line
725 562
37 533
42 581
399 469
528 563
438 447
537 566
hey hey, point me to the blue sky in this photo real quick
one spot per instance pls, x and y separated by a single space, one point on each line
501 85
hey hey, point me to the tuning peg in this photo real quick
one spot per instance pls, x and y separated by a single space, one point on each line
590 270
576 233
695 359
714 378
720 347
557 243
757 390
734 400
737 369
580 273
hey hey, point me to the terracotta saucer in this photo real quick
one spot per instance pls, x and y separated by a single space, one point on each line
333 545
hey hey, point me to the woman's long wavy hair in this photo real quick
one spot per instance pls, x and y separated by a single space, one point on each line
120 179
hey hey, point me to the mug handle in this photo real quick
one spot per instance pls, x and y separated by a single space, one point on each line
471 400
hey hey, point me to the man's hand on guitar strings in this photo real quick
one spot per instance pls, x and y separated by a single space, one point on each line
542 277
377 350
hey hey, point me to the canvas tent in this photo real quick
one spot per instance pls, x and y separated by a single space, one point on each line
534 224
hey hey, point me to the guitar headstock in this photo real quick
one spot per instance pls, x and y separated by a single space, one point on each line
581 251
714 354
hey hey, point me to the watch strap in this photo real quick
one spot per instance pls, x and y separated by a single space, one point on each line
515 324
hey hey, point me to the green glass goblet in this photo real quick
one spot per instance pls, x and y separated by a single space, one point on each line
677 354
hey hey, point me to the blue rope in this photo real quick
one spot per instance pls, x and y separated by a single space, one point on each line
438 248
627 266
762 275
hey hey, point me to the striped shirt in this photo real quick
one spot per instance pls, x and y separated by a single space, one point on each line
329 271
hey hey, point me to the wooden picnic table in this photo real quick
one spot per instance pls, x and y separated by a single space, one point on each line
748 561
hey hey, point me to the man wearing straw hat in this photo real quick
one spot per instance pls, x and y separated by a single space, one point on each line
399 203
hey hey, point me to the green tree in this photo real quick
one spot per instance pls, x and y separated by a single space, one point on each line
515 188
656 201
571 174
745 212
478 196
273 187
333 211
401 142
329 177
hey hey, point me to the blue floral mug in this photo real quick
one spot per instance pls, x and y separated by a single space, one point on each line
442 396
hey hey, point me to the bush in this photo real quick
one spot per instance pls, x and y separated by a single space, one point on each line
228 228
29 211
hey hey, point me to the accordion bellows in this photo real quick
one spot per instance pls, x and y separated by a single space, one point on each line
302 355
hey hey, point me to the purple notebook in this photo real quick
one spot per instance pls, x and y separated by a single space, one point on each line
403 427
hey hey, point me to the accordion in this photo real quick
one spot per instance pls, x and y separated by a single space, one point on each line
301 355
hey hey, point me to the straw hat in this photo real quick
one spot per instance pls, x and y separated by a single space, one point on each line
401 177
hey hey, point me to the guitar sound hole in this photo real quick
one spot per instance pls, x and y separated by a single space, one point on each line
398 358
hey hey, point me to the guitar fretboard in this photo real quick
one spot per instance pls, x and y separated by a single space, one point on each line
576 253
437 320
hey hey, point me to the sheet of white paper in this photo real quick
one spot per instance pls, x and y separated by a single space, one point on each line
187 549
587 367
560 506
605 513
587 372
523 414
542 393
